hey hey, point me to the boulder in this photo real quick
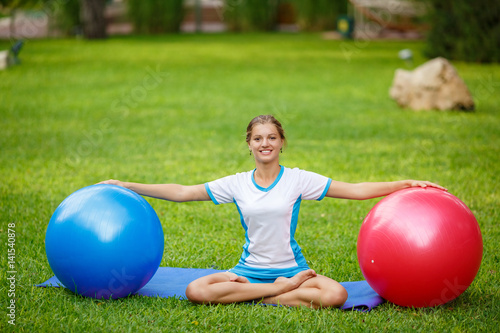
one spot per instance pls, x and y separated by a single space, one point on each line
435 85
4 59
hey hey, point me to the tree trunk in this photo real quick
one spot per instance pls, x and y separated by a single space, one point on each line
93 20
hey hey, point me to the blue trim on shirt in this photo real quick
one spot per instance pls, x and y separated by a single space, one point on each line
245 253
267 189
210 194
297 251
327 187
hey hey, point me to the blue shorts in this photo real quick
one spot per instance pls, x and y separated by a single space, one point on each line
256 280
266 275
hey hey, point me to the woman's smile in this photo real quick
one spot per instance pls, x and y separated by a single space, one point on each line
265 141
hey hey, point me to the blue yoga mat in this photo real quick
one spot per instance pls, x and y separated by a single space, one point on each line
172 282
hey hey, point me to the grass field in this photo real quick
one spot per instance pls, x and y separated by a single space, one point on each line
175 109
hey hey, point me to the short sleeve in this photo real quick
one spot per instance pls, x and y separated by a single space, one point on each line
221 190
313 186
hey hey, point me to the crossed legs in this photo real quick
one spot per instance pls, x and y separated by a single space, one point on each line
306 288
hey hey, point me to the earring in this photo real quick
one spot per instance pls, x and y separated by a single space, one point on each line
281 150
250 152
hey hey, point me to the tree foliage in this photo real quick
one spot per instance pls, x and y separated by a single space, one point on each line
319 14
156 16
250 15
464 30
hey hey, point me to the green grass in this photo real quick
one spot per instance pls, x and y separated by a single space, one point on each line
77 112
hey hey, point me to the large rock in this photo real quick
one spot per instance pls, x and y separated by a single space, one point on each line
433 85
4 59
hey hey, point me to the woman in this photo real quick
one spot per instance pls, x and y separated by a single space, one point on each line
272 268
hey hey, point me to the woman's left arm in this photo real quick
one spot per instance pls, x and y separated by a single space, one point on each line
369 190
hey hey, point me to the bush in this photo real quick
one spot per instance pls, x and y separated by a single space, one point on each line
464 30
156 16
66 18
318 15
251 15
261 15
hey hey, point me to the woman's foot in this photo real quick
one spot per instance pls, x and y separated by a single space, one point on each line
287 284
237 278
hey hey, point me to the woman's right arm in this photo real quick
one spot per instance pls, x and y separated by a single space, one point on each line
170 192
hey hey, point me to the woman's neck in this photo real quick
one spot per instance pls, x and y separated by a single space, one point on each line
266 174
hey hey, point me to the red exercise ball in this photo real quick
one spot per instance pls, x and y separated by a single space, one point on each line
420 247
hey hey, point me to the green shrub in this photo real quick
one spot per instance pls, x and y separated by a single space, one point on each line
261 15
251 15
156 16
66 17
464 30
317 15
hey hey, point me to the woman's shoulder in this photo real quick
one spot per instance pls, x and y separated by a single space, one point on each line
236 176
243 174
294 170
298 172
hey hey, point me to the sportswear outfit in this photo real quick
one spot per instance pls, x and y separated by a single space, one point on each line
269 217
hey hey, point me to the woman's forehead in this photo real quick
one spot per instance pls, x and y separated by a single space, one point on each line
264 129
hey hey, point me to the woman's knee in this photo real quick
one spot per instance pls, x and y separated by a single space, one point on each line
333 294
194 293
334 298
198 291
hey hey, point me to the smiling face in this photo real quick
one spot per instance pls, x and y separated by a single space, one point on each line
265 143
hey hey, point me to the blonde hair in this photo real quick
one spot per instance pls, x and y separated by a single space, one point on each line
265 119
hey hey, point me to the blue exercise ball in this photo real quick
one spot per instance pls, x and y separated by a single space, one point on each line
104 241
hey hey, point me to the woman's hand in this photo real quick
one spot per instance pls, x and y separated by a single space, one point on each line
424 183
112 182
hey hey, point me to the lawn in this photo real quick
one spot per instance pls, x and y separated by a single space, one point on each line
175 109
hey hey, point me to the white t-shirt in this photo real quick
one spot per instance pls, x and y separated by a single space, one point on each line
269 217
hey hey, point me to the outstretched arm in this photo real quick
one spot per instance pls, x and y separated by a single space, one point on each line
170 192
362 191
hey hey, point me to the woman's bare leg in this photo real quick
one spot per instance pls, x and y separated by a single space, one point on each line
317 292
229 288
